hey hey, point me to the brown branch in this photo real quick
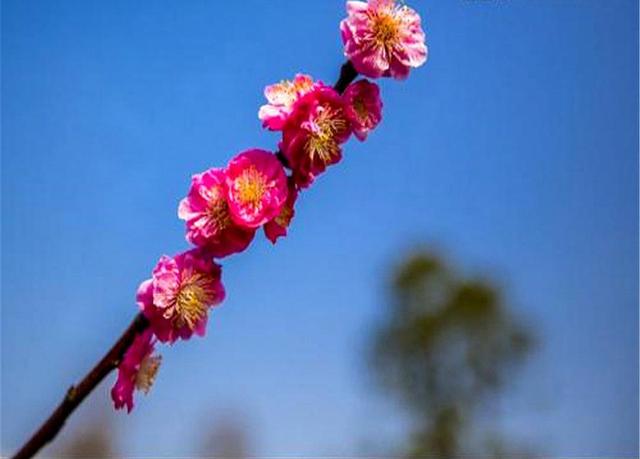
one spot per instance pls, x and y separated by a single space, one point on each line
347 75
76 394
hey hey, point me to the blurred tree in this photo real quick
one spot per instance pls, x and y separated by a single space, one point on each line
447 343
95 439
229 437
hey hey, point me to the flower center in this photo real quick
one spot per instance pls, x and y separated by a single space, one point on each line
284 218
218 210
322 141
251 186
192 302
286 92
147 372
385 29
360 108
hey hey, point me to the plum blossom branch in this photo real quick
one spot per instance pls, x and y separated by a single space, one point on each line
77 393
225 207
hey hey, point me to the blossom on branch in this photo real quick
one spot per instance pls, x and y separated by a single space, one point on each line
224 207
363 107
206 212
176 300
256 187
281 97
278 226
313 134
383 39
137 370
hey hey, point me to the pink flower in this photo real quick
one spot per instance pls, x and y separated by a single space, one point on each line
281 97
177 298
313 134
256 187
363 107
137 370
277 227
382 38
206 211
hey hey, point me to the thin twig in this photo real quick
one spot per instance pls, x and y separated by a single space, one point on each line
76 394
347 75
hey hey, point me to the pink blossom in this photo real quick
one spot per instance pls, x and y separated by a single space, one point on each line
281 97
363 107
277 227
313 134
137 370
256 187
206 212
382 38
177 298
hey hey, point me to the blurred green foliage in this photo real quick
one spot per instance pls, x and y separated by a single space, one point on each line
446 344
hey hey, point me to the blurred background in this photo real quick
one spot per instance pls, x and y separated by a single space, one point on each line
465 282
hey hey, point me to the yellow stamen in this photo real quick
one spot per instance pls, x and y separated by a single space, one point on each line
360 108
287 91
147 372
192 302
322 141
284 218
218 210
251 186
386 29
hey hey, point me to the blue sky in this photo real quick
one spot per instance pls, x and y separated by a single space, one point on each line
514 150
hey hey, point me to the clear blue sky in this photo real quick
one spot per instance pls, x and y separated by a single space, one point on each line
514 150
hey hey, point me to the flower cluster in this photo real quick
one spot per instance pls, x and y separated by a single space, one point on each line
224 207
